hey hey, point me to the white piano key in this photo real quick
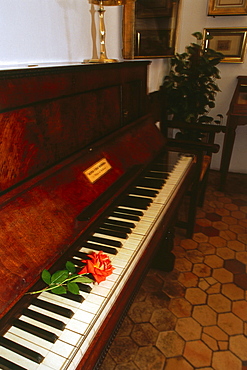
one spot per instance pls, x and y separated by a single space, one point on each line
23 342
30 337
69 303
100 290
19 360
49 313
40 325
44 367
62 348
118 262
107 283
83 316
77 326
49 298
59 347
55 361
89 307
96 299
113 277
70 337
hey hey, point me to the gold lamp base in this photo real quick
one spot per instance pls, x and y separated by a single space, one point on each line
103 58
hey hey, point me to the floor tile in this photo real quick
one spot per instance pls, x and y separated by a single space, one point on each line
164 344
197 353
188 328
238 345
219 303
230 323
226 360
205 315
233 292
149 358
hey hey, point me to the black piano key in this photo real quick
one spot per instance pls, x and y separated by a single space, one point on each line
144 192
73 297
62 311
129 211
131 225
84 287
82 255
99 247
156 175
78 262
139 204
21 350
150 183
109 226
39 332
125 216
8 365
139 200
166 167
112 243
109 232
159 167
44 319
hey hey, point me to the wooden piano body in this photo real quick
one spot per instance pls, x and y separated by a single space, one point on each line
56 123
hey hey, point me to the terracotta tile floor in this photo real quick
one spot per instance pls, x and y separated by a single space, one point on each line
194 317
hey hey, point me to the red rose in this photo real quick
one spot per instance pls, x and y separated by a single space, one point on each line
99 266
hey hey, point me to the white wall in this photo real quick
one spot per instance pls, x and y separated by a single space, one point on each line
60 31
46 31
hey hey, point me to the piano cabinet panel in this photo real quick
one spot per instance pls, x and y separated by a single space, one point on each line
29 143
62 110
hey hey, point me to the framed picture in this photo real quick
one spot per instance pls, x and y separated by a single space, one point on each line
149 28
227 7
229 41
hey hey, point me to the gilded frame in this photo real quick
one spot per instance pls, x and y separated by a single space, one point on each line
227 7
229 41
131 37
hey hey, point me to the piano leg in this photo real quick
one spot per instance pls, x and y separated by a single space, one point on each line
164 259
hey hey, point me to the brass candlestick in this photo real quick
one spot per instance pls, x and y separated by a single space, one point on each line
101 3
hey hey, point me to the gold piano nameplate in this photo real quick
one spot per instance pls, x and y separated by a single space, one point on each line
97 170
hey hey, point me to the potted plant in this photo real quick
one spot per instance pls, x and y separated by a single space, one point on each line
190 88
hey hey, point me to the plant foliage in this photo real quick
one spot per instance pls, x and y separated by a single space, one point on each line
190 88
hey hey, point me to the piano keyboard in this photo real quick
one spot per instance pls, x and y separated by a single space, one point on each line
55 331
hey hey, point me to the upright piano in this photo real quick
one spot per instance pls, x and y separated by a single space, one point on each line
83 168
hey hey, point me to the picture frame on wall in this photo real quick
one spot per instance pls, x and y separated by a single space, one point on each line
149 28
231 42
227 7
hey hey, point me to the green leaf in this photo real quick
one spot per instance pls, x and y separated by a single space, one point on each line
59 276
59 290
46 277
73 288
83 279
70 267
